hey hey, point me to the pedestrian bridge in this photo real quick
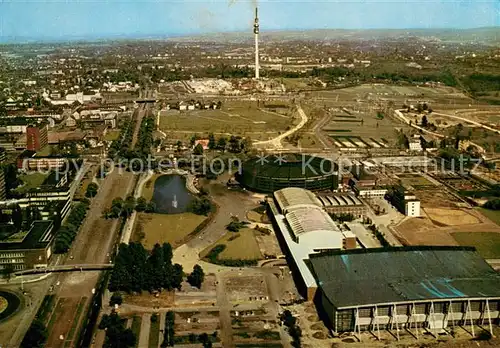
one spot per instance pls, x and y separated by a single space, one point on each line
66 268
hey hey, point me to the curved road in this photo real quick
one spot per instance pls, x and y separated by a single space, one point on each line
276 142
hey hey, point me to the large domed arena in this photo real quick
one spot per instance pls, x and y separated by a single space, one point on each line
267 174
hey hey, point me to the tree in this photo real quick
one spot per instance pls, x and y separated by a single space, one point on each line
211 141
36 336
193 139
221 144
91 190
196 277
116 299
234 144
425 122
141 204
198 150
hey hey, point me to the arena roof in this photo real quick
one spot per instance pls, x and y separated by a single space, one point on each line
364 277
292 197
305 220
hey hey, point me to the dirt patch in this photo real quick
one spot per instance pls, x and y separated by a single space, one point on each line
145 299
421 231
61 320
451 217
242 287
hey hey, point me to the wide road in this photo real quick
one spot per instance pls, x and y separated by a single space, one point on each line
93 244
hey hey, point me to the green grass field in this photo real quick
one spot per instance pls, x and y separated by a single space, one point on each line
136 327
493 215
149 187
112 135
239 246
486 243
154 334
236 117
31 181
164 228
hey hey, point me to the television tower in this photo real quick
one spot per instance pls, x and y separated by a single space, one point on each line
256 33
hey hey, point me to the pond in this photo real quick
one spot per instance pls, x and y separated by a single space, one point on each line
171 195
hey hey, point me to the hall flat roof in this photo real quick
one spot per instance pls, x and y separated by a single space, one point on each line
364 277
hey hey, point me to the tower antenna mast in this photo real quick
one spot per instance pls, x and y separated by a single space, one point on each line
256 34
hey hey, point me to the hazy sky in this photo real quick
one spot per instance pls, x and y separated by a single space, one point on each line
101 18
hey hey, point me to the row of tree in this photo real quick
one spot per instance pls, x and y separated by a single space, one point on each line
67 233
235 144
168 333
145 137
121 146
124 208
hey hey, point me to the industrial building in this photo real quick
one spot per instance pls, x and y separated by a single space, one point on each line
343 203
405 288
303 228
26 250
406 202
274 172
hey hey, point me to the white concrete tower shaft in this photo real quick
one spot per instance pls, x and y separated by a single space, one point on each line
256 34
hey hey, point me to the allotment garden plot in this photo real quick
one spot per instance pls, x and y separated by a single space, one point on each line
362 129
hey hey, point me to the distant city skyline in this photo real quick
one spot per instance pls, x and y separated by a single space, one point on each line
87 19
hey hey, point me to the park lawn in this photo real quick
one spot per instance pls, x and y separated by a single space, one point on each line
45 151
31 181
486 243
112 135
493 215
243 247
165 228
154 334
149 187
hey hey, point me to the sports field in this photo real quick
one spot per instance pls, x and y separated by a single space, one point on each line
486 243
165 228
244 118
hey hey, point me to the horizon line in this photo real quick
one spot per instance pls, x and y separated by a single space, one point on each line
11 40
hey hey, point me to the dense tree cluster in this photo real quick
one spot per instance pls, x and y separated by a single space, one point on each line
493 204
342 217
136 269
235 225
201 205
68 231
168 332
36 336
196 277
117 336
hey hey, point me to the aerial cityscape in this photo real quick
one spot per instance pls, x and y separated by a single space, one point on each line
243 174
